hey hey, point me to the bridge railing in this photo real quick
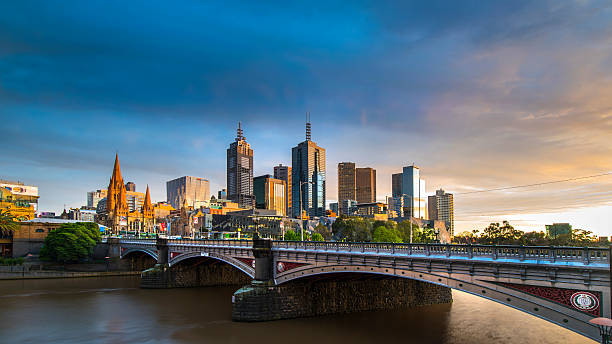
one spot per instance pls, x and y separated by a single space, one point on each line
583 255
211 242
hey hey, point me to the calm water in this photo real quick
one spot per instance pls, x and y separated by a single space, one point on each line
115 310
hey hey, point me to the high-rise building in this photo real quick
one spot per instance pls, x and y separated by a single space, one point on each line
284 173
240 171
346 185
270 194
308 177
222 194
414 187
365 185
440 207
130 186
396 184
93 197
193 191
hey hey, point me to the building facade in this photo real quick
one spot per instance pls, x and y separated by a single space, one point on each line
308 177
193 190
93 197
270 194
346 185
396 184
284 173
240 171
18 199
440 207
118 216
414 187
365 185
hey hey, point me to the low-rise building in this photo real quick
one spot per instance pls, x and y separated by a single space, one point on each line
18 199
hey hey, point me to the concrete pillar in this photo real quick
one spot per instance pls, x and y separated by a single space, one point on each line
264 260
114 248
162 251
159 276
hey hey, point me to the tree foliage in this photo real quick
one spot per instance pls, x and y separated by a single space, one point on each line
7 222
317 237
291 236
71 242
358 229
322 230
506 234
384 234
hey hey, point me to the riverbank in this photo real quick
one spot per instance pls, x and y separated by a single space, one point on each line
47 274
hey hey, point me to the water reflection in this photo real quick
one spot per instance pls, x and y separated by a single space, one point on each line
115 310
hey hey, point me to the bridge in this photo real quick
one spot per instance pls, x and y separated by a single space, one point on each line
565 285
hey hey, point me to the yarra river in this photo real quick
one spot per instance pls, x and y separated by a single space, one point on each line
115 310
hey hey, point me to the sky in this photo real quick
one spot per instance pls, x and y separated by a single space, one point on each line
478 94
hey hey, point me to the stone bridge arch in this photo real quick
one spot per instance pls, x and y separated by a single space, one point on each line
506 293
238 264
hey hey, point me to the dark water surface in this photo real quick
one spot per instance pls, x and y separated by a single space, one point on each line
115 310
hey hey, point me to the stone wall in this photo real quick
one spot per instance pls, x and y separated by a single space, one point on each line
200 272
261 301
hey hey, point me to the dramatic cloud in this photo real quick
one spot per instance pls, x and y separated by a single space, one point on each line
478 94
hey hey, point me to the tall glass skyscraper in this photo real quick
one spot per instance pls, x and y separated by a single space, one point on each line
414 187
308 177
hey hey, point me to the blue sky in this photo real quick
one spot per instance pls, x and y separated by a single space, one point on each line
478 94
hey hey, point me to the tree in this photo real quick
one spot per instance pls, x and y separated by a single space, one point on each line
384 234
317 237
505 234
423 235
72 242
291 236
7 222
325 233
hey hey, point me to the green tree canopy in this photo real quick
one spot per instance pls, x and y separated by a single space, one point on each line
291 236
317 237
71 242
384 234
323 231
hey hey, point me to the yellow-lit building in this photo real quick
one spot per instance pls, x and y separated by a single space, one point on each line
122 214
270 194
18 199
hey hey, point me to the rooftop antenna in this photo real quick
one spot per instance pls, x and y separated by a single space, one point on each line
239 133
307 126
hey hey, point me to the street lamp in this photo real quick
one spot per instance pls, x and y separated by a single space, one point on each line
301 212
605 327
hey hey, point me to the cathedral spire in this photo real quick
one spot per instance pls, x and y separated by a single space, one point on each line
147 201
117 169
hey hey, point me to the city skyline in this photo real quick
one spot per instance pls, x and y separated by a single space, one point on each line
472 99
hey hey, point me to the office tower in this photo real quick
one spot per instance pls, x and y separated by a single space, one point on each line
192 191
308 177
396 184
284 173
365 185
240 171
346 185
414 187
222 194
130 186
93 197
440 207
270 194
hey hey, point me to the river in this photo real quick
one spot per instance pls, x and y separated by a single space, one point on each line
115 310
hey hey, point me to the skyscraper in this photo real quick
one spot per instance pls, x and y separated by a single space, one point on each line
396 184
414 187
441 208
346 185
284 173
270 194
308 177
240 172
365 185
191 190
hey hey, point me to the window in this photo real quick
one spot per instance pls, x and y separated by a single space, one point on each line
40 230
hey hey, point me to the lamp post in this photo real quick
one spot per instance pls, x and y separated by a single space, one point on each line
301 212
605 327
